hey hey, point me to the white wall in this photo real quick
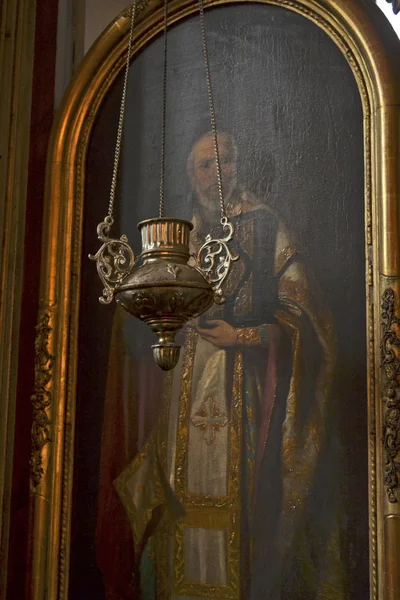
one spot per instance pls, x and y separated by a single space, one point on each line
99 14
386 7
80 22
70 43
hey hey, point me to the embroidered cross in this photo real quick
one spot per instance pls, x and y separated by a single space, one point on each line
210 419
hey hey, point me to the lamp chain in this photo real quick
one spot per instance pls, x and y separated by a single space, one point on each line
212 113
164 113
122 114
109 218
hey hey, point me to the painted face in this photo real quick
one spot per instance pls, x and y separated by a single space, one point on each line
204 174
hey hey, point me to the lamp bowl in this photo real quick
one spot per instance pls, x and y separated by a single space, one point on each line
162 289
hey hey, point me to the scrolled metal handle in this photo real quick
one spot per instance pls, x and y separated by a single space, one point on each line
114 260
214 259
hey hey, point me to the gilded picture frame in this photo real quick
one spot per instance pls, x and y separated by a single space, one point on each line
371 50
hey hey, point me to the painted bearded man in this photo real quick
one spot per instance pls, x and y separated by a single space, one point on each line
224 497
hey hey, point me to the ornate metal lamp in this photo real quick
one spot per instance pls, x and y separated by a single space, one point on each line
164 286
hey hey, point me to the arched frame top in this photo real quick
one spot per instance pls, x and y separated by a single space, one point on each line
372 50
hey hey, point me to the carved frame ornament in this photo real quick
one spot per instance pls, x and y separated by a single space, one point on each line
41 399
371 48
390 362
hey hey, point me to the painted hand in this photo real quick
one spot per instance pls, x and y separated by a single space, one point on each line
218 332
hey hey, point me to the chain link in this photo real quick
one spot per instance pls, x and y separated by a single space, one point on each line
212 113
164 107
164 113
121 118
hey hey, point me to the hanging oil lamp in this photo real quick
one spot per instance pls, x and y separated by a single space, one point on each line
165 286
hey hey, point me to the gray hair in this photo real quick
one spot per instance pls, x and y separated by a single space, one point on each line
190 160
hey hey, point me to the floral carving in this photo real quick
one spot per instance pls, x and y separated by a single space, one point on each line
41 399
390 363
177 302
144 303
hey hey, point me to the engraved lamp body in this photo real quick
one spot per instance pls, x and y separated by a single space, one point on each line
162 289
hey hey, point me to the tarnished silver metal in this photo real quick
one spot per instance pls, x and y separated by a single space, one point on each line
161 287
215 257
114 260
163 290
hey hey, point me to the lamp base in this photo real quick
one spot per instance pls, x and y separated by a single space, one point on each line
166 355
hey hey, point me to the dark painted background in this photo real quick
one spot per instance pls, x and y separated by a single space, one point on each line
285 91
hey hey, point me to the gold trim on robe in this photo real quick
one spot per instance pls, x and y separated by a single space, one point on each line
212 518
193 511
